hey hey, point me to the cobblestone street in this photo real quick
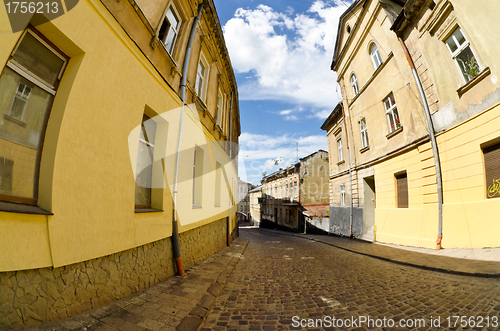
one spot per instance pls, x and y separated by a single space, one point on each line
281 276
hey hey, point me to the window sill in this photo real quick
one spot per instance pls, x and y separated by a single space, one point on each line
197 207
473 82
147 210
395 132
340 162
14 120
364 149
12 207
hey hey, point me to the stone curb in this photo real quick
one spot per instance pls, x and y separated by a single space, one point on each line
193 321
400 262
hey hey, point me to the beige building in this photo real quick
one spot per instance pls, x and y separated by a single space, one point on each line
111 122
255 213
244 200
404 126
294 194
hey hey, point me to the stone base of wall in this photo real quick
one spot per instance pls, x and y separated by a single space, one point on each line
339 221
200 243
32 297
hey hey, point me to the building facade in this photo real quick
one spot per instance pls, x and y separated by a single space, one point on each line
253 196
294 194
100 106
244 200
394 105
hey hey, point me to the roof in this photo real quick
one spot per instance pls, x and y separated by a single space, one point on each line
337 109
308 156
340 31
257 189
409 11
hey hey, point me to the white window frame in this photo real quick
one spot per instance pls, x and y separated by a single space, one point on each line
339 150
342 194
295 189
171 29
460 48
375 56
201 88
363 130
354 84
391 112
44 85
220 108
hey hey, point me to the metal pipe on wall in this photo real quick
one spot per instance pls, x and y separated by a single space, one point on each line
435 152
175 223
228 223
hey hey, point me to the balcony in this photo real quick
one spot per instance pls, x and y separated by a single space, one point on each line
261 200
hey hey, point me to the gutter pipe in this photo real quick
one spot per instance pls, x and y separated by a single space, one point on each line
350 172
175 223
435 153
228 223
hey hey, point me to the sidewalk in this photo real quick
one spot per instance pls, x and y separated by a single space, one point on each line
174 304
409 256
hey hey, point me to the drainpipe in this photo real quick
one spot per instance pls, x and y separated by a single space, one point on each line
175 223
228 223
435 153
350 172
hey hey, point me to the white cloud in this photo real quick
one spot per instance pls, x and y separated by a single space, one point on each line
289 53
322 114
257 152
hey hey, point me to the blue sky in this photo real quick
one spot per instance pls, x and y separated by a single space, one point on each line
281 53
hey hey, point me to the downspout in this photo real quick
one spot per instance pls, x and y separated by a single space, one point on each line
435 153
175 223
350 172
228 223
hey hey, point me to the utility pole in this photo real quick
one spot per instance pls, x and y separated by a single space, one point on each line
297 152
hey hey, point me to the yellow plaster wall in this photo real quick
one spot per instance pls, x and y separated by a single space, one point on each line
86 176
413 226
470 219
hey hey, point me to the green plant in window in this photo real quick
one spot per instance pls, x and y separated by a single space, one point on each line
470 67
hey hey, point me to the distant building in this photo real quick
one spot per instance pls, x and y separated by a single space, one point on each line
294 194
244 200
253 196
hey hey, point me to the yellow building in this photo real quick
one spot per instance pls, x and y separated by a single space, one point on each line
390 113
104 110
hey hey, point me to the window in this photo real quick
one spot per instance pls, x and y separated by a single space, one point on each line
286 190
364 133
342 194
354 84
402 189
275 192
463 55
375 56
28 85
339 148
492 170
281 191
295 189
144 172
220 104
197 177
202 77
391 112
218 179
169 30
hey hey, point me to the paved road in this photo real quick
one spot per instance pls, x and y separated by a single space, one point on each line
283 281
